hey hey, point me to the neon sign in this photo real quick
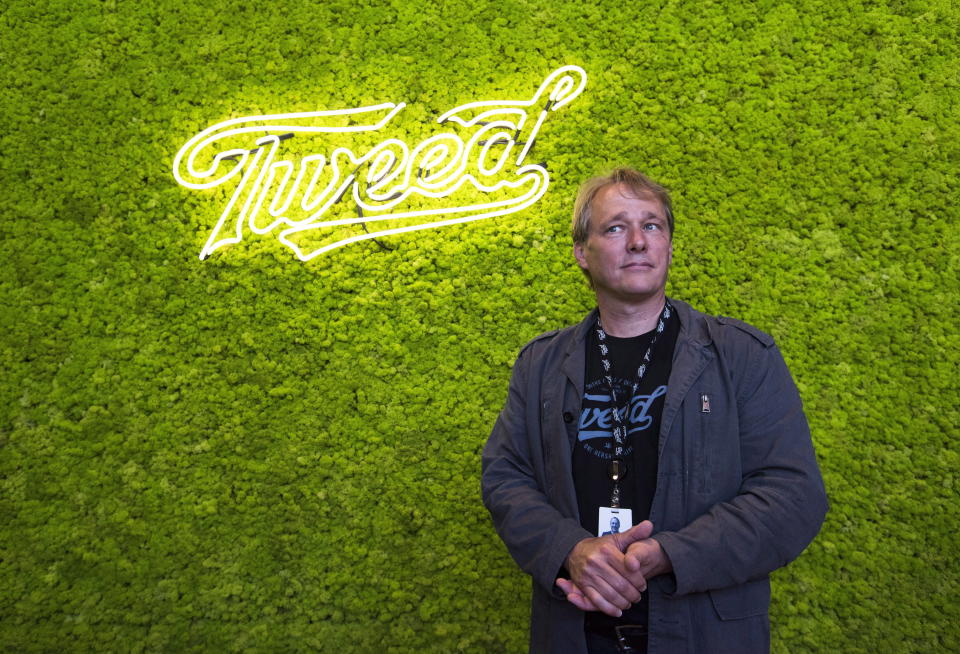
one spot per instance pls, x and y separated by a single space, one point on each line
272 192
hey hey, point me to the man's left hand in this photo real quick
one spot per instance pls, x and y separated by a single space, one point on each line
645 556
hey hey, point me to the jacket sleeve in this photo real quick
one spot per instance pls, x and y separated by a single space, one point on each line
514 485
781 502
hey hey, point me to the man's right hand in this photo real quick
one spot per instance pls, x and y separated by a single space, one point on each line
597 568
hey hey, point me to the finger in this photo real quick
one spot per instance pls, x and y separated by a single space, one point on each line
632 535
632 587
637 560
625 581
616 589
601 603
575 596
581 602
632 559
615 577
639 582
567 587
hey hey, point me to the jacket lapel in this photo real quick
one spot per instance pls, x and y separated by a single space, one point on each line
564 394
573 365
690 356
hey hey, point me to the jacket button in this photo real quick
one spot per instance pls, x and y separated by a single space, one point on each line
567 417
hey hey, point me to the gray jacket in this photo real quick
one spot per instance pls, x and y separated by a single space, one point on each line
738 492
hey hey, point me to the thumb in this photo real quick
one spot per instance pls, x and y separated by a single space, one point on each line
636 533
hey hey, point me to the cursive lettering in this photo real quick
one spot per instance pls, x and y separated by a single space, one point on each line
297 195
597 422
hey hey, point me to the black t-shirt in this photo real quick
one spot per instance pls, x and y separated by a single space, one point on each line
593 450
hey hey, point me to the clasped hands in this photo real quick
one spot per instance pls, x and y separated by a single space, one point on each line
609 573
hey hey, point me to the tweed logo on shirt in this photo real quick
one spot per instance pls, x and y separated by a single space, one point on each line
596 422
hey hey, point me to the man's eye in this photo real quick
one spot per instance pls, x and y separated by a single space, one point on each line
651 226
614 228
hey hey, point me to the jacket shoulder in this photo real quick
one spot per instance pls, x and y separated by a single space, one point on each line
548 343
545 337
762 337
722 330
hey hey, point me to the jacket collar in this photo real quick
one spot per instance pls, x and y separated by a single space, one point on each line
574 358
693 331
693 326
580 331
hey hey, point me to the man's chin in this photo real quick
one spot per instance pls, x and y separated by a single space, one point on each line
640 293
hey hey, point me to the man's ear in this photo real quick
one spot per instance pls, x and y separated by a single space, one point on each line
578 255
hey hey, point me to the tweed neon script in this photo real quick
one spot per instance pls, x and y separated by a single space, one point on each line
297 196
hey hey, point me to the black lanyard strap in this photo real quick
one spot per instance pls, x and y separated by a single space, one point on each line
617 467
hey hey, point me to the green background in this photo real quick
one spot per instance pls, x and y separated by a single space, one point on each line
252 453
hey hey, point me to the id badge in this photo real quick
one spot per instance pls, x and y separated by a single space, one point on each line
613 520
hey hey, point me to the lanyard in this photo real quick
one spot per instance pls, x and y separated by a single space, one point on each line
617 467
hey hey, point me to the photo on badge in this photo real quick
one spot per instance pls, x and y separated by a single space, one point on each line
614 520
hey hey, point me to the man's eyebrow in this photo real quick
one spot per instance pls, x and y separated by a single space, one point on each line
646 215
617 216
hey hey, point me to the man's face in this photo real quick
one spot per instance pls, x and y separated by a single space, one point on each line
614 525
628 248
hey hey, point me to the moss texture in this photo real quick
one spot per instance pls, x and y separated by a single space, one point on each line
252 453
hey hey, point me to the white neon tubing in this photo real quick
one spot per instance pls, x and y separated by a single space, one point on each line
393 171
213 133
532 173
560 95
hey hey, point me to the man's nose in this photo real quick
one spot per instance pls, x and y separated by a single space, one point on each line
637 241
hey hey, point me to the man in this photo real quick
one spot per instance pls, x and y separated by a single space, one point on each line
688 427
614 527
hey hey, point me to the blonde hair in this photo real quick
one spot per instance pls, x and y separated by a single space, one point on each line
636 181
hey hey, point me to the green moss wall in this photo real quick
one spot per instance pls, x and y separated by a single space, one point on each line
252 453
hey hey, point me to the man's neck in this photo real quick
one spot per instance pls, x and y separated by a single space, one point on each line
624 320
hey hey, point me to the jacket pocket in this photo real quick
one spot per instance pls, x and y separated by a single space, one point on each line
743 601
704 405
